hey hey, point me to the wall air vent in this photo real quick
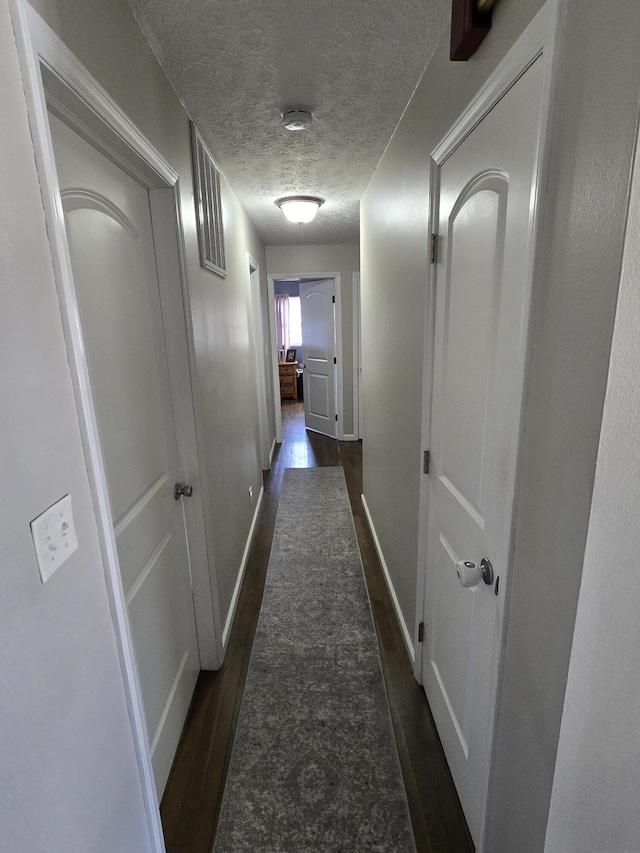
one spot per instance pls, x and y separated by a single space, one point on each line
206 191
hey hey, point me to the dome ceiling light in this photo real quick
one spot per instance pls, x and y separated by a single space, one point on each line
297 118
300 208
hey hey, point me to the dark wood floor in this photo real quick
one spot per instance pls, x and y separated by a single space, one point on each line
192 798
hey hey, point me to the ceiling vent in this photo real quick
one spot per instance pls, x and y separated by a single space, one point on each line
297 118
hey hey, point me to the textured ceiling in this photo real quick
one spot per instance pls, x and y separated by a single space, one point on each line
237 63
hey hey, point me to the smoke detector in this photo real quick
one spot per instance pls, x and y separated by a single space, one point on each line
297 118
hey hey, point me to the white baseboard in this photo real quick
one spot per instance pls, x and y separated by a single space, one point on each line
394 598
272 451
243 565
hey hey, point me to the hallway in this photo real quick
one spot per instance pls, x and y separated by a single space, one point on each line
191 803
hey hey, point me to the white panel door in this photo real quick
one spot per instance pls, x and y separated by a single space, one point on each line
482 293
109 230
318 354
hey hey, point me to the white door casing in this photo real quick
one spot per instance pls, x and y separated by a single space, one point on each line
272 278
111 247
486 191
317 304
259 355
357 360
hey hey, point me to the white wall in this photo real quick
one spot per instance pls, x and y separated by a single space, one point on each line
69 777
594 805
575 293
345 259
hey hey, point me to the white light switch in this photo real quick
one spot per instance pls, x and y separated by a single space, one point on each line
54 536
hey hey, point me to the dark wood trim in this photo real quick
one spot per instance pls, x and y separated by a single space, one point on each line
469 26
192 798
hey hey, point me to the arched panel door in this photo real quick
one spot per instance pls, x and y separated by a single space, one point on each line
110 237
483 276
317 304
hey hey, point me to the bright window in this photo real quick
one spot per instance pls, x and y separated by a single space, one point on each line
295 322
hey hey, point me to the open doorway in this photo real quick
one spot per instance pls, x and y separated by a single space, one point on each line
345 349
288 320
306 343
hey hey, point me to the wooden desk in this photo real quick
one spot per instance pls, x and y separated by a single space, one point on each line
288 383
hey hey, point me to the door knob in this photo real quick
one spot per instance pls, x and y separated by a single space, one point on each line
182 489
469 574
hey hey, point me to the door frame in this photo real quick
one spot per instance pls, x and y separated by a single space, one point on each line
536 43
257 321
357 357
306 276
53 76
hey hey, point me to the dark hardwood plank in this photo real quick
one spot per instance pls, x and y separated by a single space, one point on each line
193 795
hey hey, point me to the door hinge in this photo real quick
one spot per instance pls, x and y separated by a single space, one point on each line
421 632
434 248
335 360
426 462
333 299
336 417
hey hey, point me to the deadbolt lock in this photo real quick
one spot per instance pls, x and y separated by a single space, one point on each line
487 571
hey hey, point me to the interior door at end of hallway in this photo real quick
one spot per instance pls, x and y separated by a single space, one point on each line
483 278
317 304
109 231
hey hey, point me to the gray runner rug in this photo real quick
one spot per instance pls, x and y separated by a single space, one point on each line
314 764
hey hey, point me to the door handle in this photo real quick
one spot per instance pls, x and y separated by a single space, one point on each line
182 489
469 574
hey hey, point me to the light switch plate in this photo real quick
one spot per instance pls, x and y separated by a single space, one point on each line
54 537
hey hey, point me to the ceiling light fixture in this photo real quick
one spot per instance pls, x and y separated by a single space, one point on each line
300 208
297 118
